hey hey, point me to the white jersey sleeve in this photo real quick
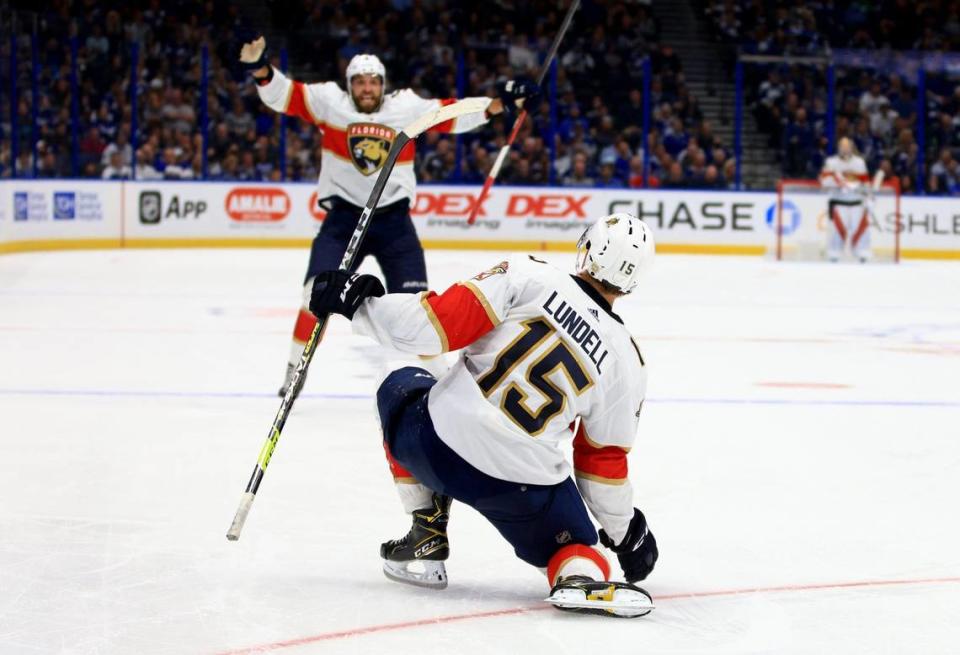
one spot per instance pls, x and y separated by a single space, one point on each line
604 437
428 324
308 101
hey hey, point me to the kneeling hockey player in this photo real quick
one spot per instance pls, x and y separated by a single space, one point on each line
543 358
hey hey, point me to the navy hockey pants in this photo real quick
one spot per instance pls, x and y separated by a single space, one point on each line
391 239
537 520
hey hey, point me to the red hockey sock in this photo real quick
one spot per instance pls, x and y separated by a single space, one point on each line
304 326
399 473
576 558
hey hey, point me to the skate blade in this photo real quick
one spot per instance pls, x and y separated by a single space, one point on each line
432 576
622 603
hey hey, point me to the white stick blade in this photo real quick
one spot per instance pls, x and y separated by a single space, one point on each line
445 113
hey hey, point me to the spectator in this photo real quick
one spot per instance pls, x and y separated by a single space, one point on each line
91 146
635 180
675 178
436 165
872 99
608 178
172 168
145 169
478 165
882 120
798 145
238 119
622 157
711 178
121 146
229 167
945 174
117 168
177 112
675 138
578 176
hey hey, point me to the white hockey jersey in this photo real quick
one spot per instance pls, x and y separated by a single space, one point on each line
355 144
844 177
540 349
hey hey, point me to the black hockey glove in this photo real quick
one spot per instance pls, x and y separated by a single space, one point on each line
513 91
339 292
638 551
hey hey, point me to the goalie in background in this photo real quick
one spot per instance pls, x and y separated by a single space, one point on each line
845 175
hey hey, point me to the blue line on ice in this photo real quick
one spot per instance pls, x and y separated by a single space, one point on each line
127 393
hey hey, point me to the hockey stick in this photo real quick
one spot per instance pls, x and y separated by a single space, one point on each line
407 134
522 116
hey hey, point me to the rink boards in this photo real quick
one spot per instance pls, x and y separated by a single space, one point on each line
64 214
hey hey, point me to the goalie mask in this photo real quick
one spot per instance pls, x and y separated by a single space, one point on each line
616 249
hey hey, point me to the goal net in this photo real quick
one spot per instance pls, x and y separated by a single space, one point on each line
801 219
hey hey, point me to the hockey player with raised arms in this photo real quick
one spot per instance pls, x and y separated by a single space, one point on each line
543 358
359 126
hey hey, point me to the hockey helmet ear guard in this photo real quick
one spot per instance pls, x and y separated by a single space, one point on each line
617 249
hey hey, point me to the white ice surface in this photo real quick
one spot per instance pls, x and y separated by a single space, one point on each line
136 389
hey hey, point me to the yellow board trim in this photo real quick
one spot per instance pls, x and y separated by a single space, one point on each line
435 322
38 245
911 253
220 242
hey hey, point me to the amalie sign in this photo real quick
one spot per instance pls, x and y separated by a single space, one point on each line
257 204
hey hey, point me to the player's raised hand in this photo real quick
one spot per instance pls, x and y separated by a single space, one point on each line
253 54
520 93
339 292
638 551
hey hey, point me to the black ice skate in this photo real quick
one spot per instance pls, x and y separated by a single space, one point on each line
418 557
578 593
288 380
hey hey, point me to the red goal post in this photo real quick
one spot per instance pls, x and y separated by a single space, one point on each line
800 225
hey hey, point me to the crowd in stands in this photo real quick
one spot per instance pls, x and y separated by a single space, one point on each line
877 107
592 137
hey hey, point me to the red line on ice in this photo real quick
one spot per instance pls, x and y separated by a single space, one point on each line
804 385
390 627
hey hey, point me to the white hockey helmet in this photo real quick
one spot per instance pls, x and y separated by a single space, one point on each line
366 65
616 249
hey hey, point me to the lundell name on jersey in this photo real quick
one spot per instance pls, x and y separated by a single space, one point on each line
578 329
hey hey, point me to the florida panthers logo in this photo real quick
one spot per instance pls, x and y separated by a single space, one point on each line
499 269
369 145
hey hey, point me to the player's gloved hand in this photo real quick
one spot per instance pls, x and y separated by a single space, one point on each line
253 55
339 292
638 551
517 94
